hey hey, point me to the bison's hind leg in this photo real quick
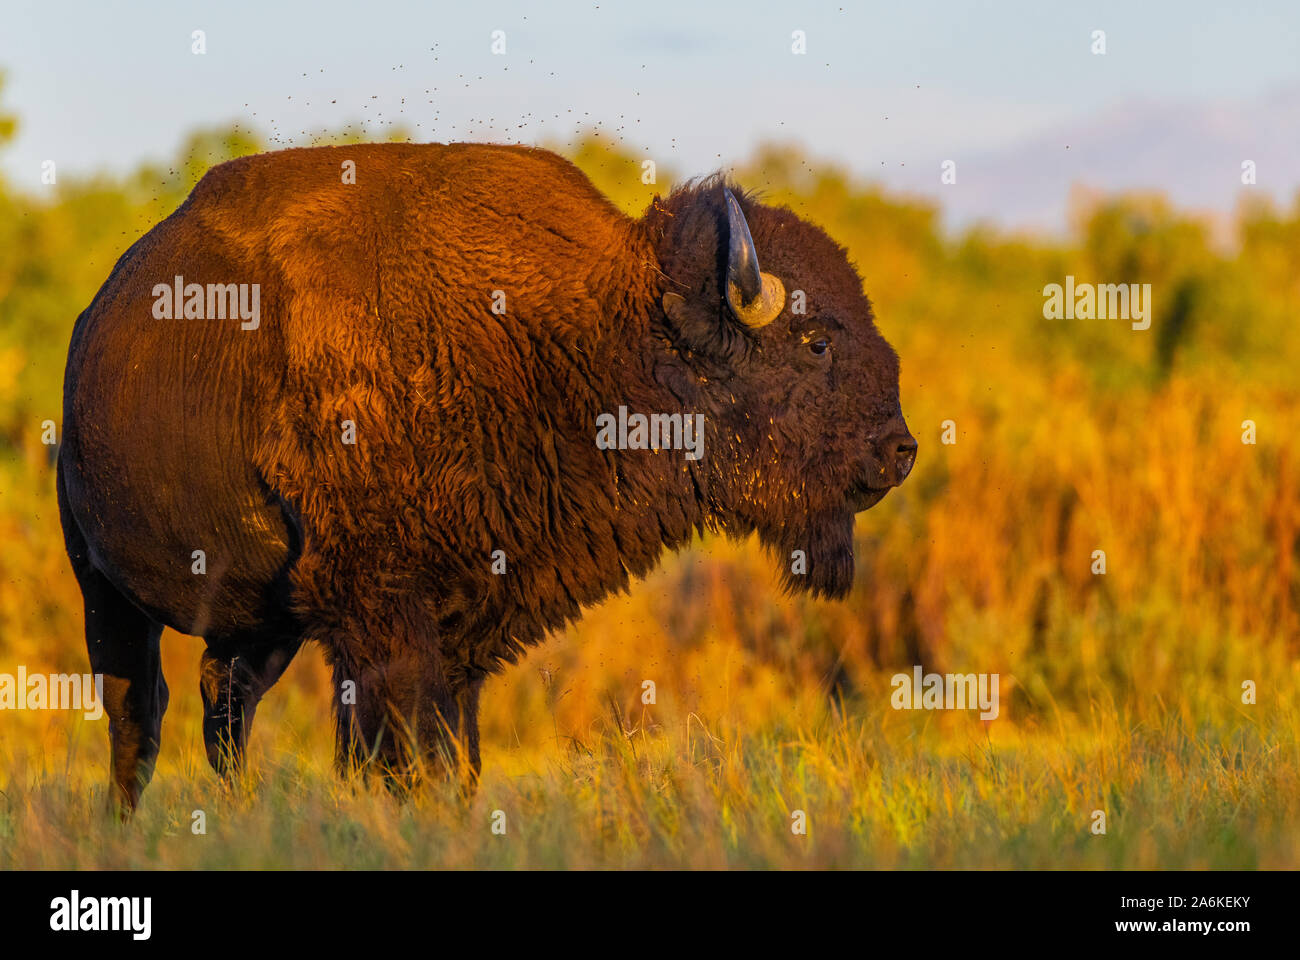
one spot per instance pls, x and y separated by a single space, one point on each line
124 647
123 644
235 674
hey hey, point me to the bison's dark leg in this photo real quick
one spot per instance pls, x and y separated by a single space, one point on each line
235 674
467 708
395 711
123 646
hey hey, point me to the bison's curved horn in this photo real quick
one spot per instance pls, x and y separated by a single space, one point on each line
754 297
742 258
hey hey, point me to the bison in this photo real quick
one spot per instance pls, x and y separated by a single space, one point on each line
353 395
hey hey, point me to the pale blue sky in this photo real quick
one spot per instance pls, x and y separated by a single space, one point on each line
695 85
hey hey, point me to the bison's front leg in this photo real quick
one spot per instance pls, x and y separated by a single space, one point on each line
396 712
467 739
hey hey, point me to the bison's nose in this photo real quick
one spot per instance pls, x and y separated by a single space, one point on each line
897 452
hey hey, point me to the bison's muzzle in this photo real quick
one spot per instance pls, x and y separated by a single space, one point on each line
892 457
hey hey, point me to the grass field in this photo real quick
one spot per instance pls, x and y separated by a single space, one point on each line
1121 692
583 781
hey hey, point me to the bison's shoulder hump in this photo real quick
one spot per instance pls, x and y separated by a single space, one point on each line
370 165
325 188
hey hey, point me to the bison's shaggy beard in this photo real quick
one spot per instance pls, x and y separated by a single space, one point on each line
827 544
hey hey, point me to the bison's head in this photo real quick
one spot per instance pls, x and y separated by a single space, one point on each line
803 423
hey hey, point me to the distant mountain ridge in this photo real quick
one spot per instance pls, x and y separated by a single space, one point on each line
1191 152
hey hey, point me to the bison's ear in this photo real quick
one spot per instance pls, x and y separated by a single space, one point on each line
674 305
696 327
723 291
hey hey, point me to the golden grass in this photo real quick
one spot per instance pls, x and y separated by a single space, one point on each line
880 789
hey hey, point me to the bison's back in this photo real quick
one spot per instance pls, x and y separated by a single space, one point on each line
375 304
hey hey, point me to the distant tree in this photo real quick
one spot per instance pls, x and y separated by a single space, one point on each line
8 121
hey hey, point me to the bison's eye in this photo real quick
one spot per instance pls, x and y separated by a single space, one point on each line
819 347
